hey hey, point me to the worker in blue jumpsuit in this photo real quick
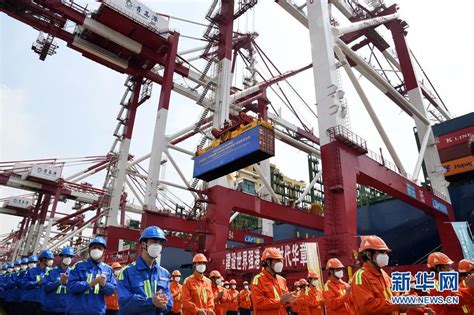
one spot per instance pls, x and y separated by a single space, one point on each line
19 285
5 285
54 298
32 261
13 295
143 286
20 269
32 282
3 272
89 280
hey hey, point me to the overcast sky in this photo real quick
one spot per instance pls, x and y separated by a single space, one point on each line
66 106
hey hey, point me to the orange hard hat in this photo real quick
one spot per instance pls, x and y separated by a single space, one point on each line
233 281
116 265
245 282
438 258
215 274
271 253
226 282
334 263
199 258
465 265
303 282
176 273
313 275
372 242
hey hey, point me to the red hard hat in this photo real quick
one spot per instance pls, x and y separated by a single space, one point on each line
233 281
372 242
116 265
199 258
246 282
334 263
271 253
226 282
176 273
313 275
215 274
438 258
465 265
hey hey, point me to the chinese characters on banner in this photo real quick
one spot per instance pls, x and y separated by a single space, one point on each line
249 259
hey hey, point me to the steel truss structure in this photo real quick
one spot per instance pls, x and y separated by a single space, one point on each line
148 56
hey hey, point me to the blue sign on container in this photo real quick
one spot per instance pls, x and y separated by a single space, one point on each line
253 239
439 206
252 146
411 191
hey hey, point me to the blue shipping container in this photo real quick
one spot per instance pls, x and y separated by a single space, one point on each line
250 147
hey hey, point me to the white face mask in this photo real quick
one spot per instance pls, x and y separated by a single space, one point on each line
219 282
96 254
315 283
31 265
382 260
67 261
177 279
154 250
49 263
201 268
116 273
339 274
17 269
10 270
298 288
234 286
24 267
246 287
226 286
278 267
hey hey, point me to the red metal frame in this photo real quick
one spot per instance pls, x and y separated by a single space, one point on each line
343 167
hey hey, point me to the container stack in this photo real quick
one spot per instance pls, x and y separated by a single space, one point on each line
455 141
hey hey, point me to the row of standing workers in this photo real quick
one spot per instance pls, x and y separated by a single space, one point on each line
35 286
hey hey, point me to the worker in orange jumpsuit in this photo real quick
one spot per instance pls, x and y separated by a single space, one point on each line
245 303
296 292
269 292
197 295
232 299
439 262
111 301
371 286
305 299
225 289
316 300
218 290
336 292
465 269
176 289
